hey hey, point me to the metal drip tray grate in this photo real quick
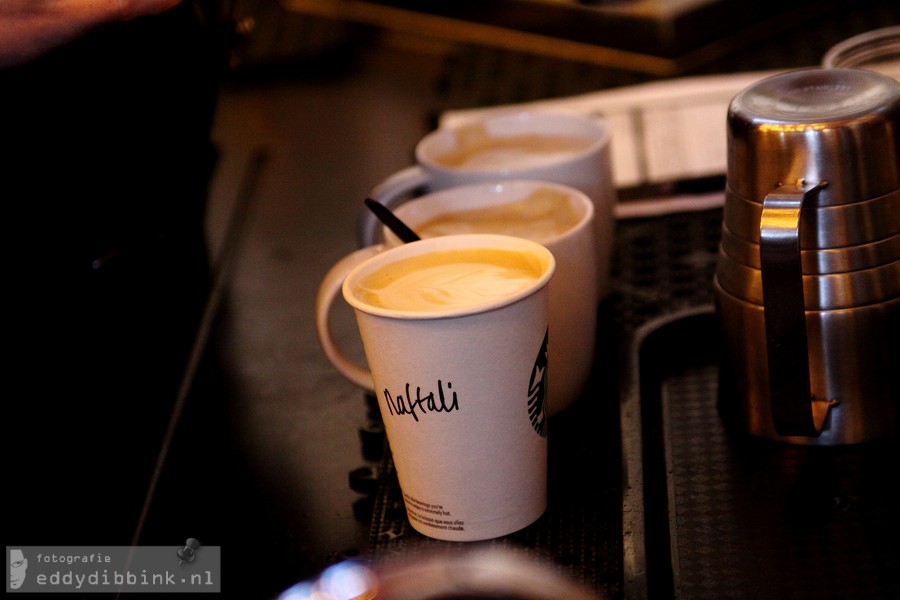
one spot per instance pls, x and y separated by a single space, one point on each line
727 516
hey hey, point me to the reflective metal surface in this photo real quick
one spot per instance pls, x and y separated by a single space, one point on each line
808 275
823 227
853 360
779 256
819 262
804 125
821 292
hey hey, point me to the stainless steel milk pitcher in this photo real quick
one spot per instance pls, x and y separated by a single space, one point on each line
808 276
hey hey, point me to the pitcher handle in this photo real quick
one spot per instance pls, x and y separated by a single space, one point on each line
794 409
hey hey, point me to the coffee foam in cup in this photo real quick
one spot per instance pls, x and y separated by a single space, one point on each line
477 148
449 279
541 216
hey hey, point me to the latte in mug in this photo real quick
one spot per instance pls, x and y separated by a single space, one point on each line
541 216
556 216
476 148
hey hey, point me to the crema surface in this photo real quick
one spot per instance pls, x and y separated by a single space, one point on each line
478 149
541 216
447 280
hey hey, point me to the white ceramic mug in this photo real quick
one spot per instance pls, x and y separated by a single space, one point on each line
541 144
559 217
455 333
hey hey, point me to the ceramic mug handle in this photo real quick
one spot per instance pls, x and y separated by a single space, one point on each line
390 192
329 290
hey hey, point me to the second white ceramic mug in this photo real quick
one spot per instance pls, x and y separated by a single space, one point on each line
585 166
573 291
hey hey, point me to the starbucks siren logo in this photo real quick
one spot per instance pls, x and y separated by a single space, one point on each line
537 391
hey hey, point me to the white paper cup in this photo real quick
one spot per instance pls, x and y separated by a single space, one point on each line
461 395
588 168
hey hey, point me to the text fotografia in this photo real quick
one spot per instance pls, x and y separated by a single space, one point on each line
115 580
72 559
420 404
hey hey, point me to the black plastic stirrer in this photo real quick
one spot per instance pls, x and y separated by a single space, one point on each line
384 214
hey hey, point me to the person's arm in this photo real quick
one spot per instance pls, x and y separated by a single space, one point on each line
31 28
